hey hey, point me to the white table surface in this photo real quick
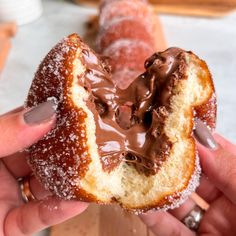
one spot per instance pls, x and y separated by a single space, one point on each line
214 40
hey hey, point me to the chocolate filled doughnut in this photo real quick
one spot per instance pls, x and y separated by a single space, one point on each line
132 146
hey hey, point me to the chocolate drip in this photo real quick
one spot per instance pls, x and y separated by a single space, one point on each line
129 123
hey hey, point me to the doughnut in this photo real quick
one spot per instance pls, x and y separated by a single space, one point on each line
131 146
128 33
124 27
135 9
129 56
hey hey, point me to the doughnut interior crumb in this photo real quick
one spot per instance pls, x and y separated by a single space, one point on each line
135 190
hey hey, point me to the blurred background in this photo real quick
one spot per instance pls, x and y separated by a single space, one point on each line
29 29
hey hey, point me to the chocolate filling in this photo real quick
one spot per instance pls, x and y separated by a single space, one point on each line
129 123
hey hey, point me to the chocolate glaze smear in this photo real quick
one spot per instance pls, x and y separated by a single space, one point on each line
129 123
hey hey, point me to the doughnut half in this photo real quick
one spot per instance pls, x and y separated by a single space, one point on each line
133 146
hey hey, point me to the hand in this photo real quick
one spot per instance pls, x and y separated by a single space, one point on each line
217 187
18 130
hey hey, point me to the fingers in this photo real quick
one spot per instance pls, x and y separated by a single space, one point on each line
35 216
9 194
227 145
164 224
18 167
207 190
21 129
9 186
219 218
21 108
206 193
183 210
38 189
220 167
17 164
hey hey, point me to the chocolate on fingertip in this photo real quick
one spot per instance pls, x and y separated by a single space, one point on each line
203 135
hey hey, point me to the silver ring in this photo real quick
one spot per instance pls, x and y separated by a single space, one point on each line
26 193
194 217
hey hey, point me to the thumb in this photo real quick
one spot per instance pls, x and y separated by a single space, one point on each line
21 129
220 166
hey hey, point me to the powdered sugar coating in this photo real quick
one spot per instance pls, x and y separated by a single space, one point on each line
126 58
207 112
61 157
130 19
136 8
123 28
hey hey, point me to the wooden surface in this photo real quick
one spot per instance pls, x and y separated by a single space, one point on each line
108 221
4 50
207 8
7 30
195 2
102 221
210 10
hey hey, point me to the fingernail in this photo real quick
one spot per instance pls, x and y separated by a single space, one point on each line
204 136
41 113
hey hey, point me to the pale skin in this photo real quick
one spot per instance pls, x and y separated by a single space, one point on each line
217 187
17 218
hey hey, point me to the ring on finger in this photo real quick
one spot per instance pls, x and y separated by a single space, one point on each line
26 192
193 219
